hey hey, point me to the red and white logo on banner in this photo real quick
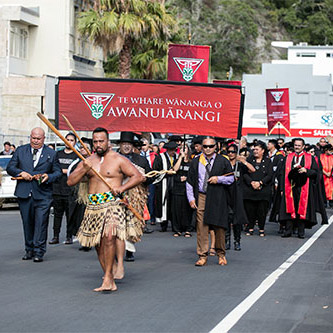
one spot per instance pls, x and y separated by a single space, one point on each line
97 102
277 95
188 67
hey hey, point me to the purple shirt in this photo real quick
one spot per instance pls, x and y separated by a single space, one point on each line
226 180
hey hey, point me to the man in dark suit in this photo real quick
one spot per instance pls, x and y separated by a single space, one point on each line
39 167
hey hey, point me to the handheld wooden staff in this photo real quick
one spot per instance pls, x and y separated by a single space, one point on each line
77 136
154 173
52 128
228 174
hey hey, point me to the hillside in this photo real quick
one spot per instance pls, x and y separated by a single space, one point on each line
240 32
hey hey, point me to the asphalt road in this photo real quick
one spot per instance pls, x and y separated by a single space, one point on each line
162 290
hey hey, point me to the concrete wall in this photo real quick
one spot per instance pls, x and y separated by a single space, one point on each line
21 100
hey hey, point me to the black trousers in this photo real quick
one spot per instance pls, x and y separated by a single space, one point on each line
298 223
236 228
164 224
76 213
151 202
181 213
61 206
256 210
35 218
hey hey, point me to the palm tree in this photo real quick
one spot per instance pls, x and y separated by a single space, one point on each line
117 25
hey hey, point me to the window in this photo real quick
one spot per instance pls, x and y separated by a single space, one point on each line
306 55
329 55
320 100
18 42
302 100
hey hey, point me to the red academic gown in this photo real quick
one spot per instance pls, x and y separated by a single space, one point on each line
298 199
327 163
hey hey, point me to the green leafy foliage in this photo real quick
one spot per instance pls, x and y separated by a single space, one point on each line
309 21
238 31
120 27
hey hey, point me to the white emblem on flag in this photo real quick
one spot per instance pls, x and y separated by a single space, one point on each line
277 95
97 102
188 67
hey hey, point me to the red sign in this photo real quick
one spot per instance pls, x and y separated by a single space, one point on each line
150 106
231 82
188 63
277 103
295 132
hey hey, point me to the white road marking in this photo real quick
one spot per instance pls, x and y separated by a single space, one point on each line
228 322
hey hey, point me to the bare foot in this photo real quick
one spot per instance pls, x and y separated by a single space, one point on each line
119 272
109 285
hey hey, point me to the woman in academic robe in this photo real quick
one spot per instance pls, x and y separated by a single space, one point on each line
237 215
181 210
257 188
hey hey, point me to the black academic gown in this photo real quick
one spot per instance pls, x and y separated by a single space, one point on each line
216 208
142 162
277 193
235 196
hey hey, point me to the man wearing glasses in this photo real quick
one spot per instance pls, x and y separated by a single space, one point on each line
206 187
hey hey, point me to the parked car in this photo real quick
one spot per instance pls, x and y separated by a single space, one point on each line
7 186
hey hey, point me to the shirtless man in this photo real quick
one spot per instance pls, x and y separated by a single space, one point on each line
104 209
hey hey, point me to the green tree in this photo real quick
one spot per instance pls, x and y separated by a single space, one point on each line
118 25
309 21
230 28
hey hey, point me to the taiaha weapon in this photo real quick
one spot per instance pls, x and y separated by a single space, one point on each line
150 174
52 127
154 173
227 174
77 136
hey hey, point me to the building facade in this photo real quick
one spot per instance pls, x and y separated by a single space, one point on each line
320 57
310 93
39 41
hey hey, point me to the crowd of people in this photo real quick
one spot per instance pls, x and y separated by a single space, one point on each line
216 188
8 148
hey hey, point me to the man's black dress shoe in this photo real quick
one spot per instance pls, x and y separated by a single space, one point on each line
129 256
281 231
301 236
146 230
69 240
54 240
27 256
237 246
37 259
286 235
84 248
